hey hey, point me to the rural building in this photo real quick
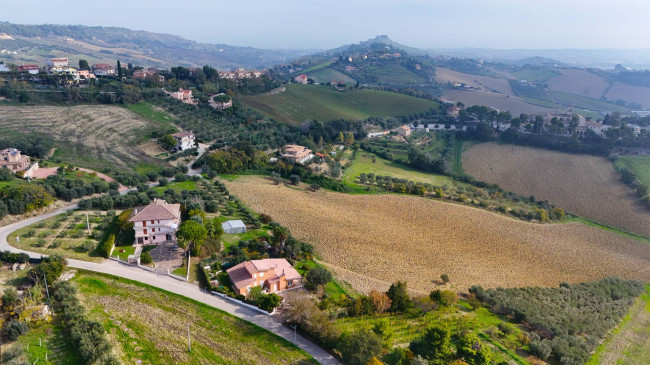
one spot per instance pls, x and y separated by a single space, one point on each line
453 111
142 74
4 68
156 223
12 159
233 227
404 131
184 95
221 101
297 154
103 69
57 62
184 140
32 69
377 134
272 275
65 71
301 79
350 68
86 74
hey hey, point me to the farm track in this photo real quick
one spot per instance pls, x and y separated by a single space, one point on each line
109 133
585 185
392 237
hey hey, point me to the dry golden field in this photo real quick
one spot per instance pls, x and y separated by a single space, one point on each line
629 93
86 133
580 82
585 185
501 85
378 239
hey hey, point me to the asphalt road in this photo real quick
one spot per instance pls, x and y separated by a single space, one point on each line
175 286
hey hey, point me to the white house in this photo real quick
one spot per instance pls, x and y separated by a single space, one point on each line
103 69
184 140
233 227
57 62
4 68
156 223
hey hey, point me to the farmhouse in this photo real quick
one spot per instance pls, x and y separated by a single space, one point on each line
404 131
184 140
453 111
32 69
57 62
156 223
297 154
86 74
11 158
233 227
142 74
301 79
184 95
272 275
103 69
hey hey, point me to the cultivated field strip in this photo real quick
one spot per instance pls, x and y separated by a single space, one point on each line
389 237
582 184
108 132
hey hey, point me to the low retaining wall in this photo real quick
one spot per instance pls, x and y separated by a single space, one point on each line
242 303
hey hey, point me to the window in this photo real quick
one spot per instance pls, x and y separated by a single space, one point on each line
151 222
145 231
254 276
261 274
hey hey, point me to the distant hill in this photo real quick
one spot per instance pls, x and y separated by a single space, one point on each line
380 41
35 43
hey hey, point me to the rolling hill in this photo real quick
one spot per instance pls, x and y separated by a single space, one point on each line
301 102
35 43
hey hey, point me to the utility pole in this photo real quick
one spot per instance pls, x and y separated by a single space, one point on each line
189 342
87 223
46 288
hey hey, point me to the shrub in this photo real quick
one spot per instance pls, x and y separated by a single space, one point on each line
180 177
357 348
106 246
145 258
541 349
444 278
269 302
319 276
14 328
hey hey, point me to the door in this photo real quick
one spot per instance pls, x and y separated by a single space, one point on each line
275 288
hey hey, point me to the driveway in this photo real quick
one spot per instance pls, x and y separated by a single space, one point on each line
166 258
175 286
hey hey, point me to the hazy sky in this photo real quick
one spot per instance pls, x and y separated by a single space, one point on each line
330 23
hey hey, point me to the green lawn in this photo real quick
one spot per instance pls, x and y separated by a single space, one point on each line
51 340
640 165
301 102
251 234
333 289
124 256
363 164
12 182
178 186
150 324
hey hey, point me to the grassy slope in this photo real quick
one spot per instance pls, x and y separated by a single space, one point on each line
639 164
301 102
628 343
394 73
326 75
363 164
159 320
147 110
535 74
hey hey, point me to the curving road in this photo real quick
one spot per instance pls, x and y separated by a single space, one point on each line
175 286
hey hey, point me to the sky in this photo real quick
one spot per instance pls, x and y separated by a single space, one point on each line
323 24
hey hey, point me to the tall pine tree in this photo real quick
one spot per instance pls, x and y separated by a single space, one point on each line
119 69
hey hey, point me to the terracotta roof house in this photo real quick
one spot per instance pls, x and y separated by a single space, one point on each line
404 131
57 62
184 140
453 110
12 159
301 79
184 95
156 223
298 154
103 69
272 275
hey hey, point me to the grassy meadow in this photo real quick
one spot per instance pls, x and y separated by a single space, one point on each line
326 75
640 165
301 102
149 324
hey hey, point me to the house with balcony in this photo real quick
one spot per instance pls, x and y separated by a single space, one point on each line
12 159
273 275
297 154
156 223
184 140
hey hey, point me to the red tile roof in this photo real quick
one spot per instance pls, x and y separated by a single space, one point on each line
157 210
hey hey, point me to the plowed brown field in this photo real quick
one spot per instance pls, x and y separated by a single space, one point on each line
378 239
87 133
585 185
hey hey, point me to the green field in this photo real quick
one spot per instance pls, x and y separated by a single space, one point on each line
147 110
150 324
393 73
584 102
328 74
363 164
535 73
301 102
640 165
177 186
